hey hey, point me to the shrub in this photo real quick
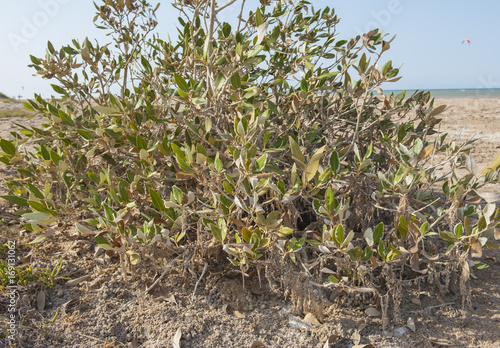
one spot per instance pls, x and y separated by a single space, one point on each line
265 139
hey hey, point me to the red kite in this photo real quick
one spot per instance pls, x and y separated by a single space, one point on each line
466 40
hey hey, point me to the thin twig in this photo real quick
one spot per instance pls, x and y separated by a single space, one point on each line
97 339
229 3
441 305
123 307
165 272
198 282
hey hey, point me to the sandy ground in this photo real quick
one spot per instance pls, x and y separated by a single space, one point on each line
104 310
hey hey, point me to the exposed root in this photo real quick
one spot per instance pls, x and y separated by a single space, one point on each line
198 282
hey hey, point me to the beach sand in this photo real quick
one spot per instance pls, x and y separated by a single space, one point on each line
105 308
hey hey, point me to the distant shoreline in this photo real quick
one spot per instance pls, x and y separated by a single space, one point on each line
452 93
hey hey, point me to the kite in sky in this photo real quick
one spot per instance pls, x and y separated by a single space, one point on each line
466 40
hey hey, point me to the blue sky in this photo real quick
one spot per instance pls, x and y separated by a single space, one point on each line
427 47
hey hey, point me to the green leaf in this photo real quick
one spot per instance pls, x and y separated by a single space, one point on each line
221 61
66 118
258 17
141 143
334 162
38 239
261 162
367 254
85 134
35 191
378 233
199 101
447 236
181 83
338 235
402 228
156 199
219 80
7 147
296 153
217 233
459 230
319 209
392 73
330 200
84 230
285 231
20 201
382 251
39 217
227 187
58 89
35 60
355 253
177 193
55 157
41 208
328 75
146 64
218 163
178 152
235 80
333 279
105 110
272 107
255 51
424 228
313 165
101 240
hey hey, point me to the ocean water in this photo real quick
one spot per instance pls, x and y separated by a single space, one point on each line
453 93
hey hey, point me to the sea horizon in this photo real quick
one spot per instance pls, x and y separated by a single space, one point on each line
450 92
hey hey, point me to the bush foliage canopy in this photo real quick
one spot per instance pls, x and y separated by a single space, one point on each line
262 142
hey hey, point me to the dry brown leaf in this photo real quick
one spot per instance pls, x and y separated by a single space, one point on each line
238 223
416 301
372 312
77 281
476 250
331 340
465 271
255 288
237 314
356 337
494 259
311 319
69 307
40 300
437 110
441 342
176 342
492 166
362 326
133 344
258 344
413 249
169 299
415 262
411 324
425 152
